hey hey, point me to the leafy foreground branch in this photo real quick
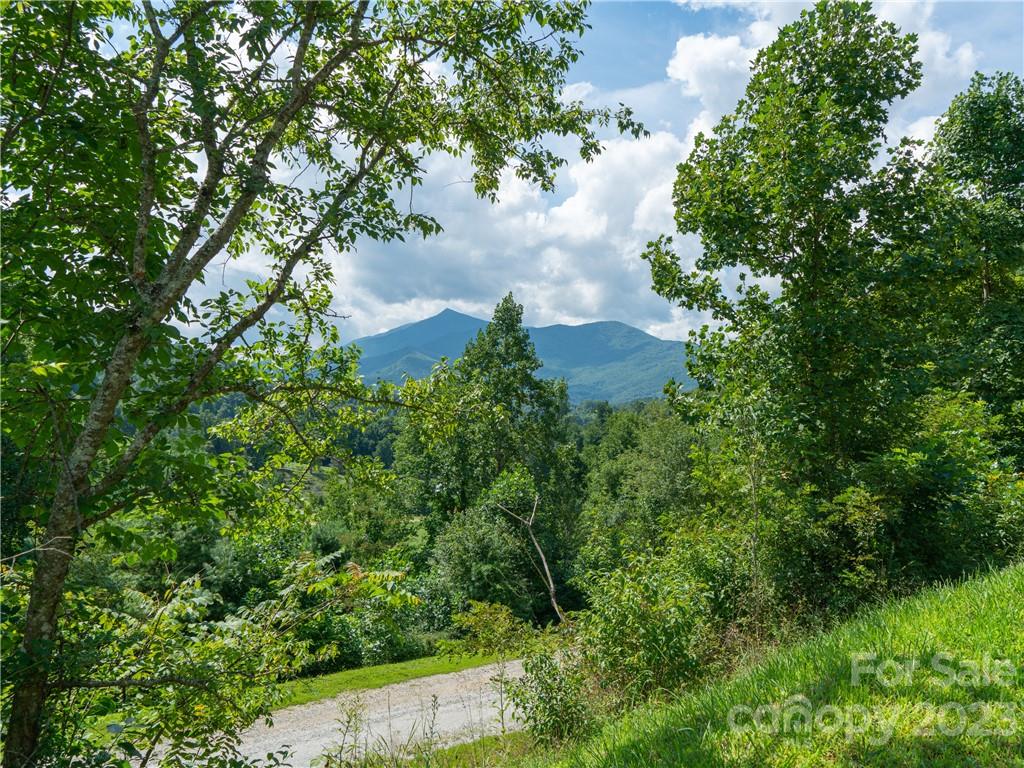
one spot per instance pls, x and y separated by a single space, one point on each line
167 676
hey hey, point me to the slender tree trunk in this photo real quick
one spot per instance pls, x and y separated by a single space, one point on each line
549 582
28 698
40 633
547 575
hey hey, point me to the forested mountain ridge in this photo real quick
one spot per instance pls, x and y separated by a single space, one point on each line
605 360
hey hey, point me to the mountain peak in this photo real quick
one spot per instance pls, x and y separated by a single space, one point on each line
449 312
604 360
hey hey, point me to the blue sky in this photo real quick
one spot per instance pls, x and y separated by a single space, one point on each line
573 256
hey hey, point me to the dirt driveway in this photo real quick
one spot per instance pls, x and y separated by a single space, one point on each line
441 709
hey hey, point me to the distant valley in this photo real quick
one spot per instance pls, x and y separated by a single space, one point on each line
600 361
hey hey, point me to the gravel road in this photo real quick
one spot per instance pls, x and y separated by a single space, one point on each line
388 719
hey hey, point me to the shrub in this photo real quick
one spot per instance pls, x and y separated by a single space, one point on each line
646 628
954 495
735 591
374 629
551 697
436 604
334 640
479 556
386 634
938 503
835 554
492 629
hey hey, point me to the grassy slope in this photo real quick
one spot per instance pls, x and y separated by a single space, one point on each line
315 688
979 618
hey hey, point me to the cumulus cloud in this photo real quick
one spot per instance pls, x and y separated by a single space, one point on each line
712 68
574 256
768 15
923 128
945 68
569 260
577 91
940 60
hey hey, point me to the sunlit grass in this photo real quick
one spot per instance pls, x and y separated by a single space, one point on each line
915 721
315 688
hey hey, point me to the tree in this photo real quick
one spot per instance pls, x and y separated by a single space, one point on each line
783 191
511 424
479 556
143 144
979 323
502 364
508 416
829 407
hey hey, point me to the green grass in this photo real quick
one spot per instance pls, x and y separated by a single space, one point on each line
315 688
978 619
488 752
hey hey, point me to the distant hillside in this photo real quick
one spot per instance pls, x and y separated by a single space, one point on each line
599 361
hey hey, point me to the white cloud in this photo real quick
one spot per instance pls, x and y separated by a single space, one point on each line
656 104
654 213
617 189
702 123
923 128
708 66
712 68
515 193
574 257
945 69
577 91
768 15
939 59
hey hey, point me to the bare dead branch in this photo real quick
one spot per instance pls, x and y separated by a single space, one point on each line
549 581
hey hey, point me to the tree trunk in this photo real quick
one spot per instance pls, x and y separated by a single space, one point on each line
24 724
547 576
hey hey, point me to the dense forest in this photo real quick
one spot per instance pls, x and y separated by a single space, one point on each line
202 498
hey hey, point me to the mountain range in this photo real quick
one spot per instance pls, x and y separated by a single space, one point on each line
606 360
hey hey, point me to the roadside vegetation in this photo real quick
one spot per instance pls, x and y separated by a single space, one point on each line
914 682
910 682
